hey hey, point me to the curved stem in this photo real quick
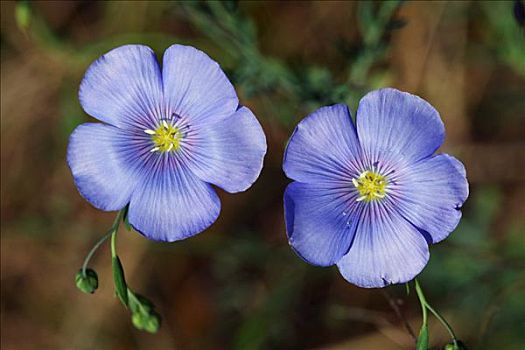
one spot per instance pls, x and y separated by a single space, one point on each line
111 232
444 323
113 243
426 306
94 249
422 301
114 230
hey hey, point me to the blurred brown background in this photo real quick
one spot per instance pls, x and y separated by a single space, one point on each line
238 285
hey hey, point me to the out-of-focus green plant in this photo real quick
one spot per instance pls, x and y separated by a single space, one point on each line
307 87
507 36
23 15
482 277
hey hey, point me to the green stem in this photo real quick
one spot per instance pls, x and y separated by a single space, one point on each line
422 301
111 232
114 230
114 243
93 250
426 306
444 323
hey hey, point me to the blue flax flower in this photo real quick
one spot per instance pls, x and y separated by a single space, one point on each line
169 133
372 197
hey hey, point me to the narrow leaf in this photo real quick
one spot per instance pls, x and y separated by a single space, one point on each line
120 282
422 339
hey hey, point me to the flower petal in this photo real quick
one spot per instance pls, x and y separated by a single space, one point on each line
172 204
430 194
398 126
229 153
386 249
195 87
320 221
124 87
97 157
323 147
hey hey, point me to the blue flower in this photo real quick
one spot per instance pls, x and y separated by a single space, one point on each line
169 134
372 197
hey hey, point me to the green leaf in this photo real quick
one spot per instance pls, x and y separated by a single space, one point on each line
120 281
87 282
422 339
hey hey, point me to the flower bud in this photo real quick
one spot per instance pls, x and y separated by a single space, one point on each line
87 282
149 322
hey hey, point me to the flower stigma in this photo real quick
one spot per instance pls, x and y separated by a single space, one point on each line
370 185
166 137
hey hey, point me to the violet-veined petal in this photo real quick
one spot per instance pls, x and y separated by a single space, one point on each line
228 153
172 204
124 88
397 126
99 163
430 195
323 147
386 249
195 87
320 221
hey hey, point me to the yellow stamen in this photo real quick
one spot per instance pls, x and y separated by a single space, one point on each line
166 137
370 185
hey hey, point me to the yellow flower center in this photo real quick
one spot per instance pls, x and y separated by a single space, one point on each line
370 185
166 137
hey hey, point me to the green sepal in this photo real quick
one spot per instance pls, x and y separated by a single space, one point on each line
87 282
149 322
120 281
422 339
125 219
139 303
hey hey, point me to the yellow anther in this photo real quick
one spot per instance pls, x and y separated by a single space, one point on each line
166 137
370 186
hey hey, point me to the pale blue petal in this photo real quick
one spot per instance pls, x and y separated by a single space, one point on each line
323 147
172 204
124 88
398 126
320 221
195 87
430 194
228 153
386 249
100 165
